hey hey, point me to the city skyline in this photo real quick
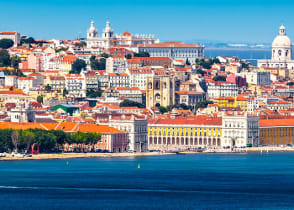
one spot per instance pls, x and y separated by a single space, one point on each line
225 21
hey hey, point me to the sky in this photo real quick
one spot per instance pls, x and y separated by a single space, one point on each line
231 21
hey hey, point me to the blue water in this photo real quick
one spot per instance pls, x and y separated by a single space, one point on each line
210 181
243 54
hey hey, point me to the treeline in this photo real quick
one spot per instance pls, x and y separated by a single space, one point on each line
21 140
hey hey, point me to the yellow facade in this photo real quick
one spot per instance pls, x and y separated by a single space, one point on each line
232 102
276 135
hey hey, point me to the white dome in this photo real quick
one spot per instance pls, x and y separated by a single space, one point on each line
282 40
92 28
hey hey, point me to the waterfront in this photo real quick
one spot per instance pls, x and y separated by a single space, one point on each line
191 181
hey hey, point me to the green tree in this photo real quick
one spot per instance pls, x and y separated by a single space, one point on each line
81 44
104 55
28 40
64 92
27 137
290 83
142 54
77 66
15 60
4 58
128 56
162 109
202 104
219 78
48 87
188 62
61 49
97 64
93 93
129 103
40 99
199 71
6 43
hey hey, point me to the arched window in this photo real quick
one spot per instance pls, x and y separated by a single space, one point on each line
280 52
286 53
150 85
164 85
157 85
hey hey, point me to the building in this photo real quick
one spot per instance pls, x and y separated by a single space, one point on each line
190 98
109 40
75 85
258 78
221 89
174 50
183 133
160 91
281 52
135 126
232 102
14 36
116 65
138 77
240 130
119 80
275 132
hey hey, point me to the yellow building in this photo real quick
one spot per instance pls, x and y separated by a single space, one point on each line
233 102
276 131
182 133
283 72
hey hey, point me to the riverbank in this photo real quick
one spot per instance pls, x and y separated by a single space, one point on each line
272 149
110 155
83 155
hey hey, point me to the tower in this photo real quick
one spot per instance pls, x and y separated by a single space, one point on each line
282 46
108 35
160 91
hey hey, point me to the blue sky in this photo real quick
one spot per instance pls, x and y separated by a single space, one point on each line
183 20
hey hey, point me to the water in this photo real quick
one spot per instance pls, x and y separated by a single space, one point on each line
223 181
250 55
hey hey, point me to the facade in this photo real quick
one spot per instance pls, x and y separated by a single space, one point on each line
14 36
190 98
119 80
75 85
281 52
138 77
174 50
160 91
275 132
240 130
221 89
184 133
136 127
116 65
57 82
258 78
109 40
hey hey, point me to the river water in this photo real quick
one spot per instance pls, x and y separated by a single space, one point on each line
199 181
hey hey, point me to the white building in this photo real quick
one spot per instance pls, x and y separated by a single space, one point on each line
281 52
136 127
221 89
116 65
75 85
11 81
108 39
138 77
174 50
14 36
258 78
240 130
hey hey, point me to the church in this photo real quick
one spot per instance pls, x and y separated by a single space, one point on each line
109 40
281 53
